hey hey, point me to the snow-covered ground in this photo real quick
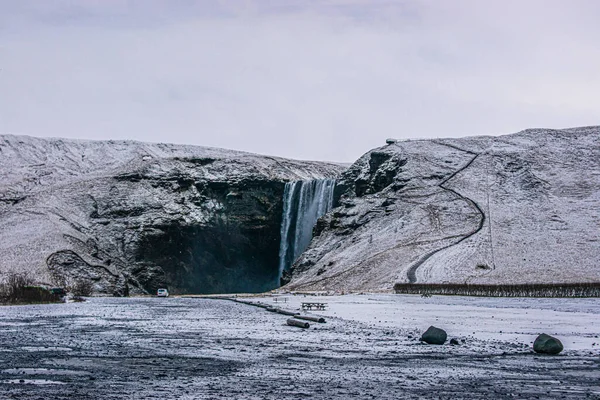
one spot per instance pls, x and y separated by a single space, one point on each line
517 320
198 348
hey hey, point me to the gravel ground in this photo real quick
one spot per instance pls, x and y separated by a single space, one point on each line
192 348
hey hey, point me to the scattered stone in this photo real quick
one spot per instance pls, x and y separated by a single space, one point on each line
299 324
547 344
434 335
454 342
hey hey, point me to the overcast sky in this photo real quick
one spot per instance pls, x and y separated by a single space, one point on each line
308 79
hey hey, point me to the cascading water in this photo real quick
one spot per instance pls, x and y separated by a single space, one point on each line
304 202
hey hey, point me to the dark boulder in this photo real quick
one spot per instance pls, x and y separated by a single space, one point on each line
434 335
547 344
454 342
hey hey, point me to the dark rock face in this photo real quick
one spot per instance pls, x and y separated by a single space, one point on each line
236 251
371 174
136 217
547 344
232 245
434 335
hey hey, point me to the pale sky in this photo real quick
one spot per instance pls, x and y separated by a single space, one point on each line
320 79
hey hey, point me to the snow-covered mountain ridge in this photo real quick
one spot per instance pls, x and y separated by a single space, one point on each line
520 208
133 216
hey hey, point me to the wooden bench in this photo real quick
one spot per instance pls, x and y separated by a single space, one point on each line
314 306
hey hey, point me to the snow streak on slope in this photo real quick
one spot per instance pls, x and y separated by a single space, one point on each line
304 203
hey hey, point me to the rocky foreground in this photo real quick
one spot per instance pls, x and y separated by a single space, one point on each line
512 209
135 348
133 217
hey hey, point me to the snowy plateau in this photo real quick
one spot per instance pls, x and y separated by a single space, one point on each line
520 208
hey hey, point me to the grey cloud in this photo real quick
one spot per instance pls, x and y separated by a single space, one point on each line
313 80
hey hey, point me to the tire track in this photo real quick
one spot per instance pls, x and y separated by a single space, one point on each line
412 271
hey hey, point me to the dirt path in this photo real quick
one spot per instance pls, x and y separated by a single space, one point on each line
412 270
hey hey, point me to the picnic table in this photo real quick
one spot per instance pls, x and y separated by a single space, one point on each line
314 306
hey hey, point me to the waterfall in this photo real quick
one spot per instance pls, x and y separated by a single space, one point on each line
304 202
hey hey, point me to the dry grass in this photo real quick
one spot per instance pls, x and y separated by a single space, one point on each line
19 288
82 288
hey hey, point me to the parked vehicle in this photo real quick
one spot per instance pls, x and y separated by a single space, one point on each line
162 293
58 291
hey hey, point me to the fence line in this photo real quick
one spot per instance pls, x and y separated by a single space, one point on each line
520 290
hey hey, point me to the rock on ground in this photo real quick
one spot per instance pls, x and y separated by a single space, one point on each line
434 335
547 344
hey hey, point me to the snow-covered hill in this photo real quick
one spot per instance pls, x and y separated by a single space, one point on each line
521 208
134 216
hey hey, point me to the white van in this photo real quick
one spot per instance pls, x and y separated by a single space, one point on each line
162 293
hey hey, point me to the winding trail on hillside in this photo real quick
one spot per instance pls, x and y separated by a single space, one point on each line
412 271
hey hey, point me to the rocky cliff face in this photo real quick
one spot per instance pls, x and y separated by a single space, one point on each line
133 217
520 208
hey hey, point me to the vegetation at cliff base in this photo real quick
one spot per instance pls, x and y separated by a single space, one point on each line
19 288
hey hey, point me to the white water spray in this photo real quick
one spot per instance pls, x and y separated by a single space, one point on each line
304 202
